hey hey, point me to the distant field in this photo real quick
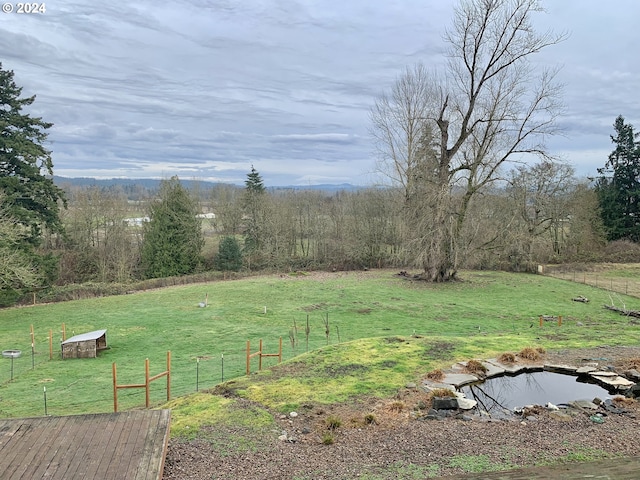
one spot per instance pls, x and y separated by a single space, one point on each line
487 312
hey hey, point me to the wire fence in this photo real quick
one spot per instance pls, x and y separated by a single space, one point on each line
190 372
188 375
618 284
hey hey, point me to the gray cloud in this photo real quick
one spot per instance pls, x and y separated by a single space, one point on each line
205 88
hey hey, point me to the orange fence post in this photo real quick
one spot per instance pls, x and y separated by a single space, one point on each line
248 357
261 354
278 354
168 375
541 320
115 387
559 320
146 382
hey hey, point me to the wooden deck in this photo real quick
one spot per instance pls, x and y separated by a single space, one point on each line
128 445
614 469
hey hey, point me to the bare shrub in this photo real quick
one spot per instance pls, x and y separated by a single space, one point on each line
623 401
475 367
622 251
370 419
435 375
533 410
507 357
397 406
442 392
529 353
333 422
633 363
328 438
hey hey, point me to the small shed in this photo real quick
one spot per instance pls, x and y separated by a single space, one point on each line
85 345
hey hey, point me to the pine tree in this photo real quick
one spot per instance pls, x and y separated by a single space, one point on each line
30 200
253 205
254 183
173 237
229 256
26 168
618 186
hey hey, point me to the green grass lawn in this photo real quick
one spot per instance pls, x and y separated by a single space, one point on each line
486 313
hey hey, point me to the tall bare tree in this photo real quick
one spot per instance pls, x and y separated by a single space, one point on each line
586 237
227 205
458 129
99 244
542 196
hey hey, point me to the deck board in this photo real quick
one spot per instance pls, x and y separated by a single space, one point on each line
74 462
10 446
149 456
135 443
100 446
120 459
36 454
111 433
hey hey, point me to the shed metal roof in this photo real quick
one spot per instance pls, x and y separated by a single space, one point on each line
85 336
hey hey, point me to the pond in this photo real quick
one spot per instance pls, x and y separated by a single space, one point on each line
500 395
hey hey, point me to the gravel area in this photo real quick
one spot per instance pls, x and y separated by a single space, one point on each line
397 445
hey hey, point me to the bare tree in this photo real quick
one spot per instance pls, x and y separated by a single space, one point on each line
227 205
586 236
398 125
541 194
99 244
458 130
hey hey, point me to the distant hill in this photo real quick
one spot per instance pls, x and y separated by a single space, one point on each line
153 184
147 183
326 187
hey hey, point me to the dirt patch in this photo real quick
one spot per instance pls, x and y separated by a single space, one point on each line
615 356
394 340
343 370
317 306
386 364
382 438
440 350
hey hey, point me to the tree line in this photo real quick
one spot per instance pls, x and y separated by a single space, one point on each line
543 213
466 182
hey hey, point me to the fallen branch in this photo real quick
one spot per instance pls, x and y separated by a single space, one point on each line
622 311
580 298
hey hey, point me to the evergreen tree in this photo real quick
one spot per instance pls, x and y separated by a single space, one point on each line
618 186
30 199
173 237
254 183
17 269
253 205
26 168
229 256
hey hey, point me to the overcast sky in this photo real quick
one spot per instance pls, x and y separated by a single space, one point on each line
206 88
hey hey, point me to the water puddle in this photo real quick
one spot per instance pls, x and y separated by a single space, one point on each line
498 396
